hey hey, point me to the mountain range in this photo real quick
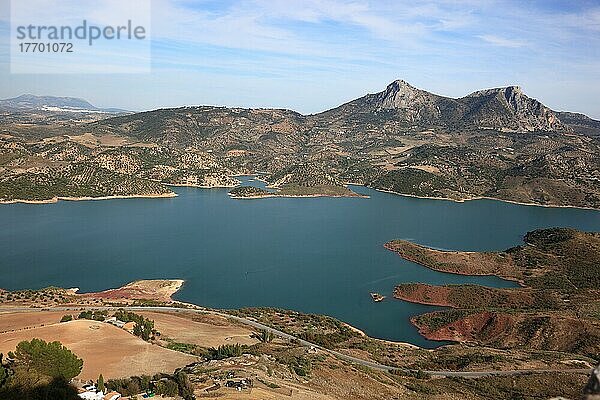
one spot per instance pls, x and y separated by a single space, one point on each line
496 143
504 109
30 102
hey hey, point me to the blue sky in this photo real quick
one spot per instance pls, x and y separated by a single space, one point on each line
315 54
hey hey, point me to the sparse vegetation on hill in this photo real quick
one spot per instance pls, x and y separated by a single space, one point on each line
495 143
320 329
249 192
559 268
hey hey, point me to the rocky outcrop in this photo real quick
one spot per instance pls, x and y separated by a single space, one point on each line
509 109
412 104
580 123
592 389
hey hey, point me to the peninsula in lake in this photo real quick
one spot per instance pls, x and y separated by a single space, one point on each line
495 143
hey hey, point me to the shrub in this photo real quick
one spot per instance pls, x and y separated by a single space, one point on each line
224 351
66 318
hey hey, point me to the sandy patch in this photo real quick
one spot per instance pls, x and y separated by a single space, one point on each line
154 289
427 168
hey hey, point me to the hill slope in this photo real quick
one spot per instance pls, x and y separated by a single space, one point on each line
495 143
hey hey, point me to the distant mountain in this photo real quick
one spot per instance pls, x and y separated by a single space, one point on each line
29 102
503 109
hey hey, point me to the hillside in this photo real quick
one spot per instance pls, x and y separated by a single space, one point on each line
210 351
496 143
556 309
85 167
32 102
502 109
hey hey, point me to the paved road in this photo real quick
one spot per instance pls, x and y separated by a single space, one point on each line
359 361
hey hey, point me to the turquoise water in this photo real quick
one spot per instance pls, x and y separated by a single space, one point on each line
320 255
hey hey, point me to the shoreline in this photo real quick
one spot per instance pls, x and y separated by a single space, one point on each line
56 199
201 186
297 196
424 303
181 283
387 247
137 290
143 289
358 195
480 198
423 331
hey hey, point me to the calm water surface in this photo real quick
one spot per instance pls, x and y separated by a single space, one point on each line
319 255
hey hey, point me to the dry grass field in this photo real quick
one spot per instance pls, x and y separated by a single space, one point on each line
105 349
17 321
213 332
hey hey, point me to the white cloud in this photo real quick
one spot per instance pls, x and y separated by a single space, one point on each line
502 42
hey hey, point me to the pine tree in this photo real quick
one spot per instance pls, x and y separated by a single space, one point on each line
101 383
50 359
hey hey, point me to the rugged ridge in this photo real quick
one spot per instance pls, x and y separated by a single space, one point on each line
509 108
504 109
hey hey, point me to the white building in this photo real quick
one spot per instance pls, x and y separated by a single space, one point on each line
92 395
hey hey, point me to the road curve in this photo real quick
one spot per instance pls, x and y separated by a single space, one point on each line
287 336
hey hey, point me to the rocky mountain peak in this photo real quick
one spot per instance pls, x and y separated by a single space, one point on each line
400 85
507 92
509 108
505 109
401 95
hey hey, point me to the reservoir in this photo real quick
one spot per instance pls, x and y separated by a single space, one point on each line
315 255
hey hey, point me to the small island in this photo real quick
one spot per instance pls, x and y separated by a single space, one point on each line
249 192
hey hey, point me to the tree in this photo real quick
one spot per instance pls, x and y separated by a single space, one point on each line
51 359
224 351
85 315
3 371
166 387
143 327
186 390
101 383
66 318
265 336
